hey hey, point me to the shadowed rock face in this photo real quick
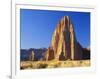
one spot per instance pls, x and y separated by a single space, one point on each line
64 45
86 53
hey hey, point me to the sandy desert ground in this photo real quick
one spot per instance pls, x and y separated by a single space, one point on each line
53 64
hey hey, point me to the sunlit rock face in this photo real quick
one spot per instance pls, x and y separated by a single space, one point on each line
64 45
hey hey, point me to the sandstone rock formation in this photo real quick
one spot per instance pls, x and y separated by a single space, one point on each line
64 45
32 56
86 53
38 54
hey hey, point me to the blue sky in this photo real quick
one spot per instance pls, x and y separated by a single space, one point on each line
37 27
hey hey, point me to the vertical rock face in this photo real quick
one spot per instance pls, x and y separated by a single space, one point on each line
86 53
64 45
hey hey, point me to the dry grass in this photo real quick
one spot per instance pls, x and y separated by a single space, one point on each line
53 64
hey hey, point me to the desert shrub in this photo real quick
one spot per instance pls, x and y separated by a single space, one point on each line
25 65
81 62
42 65
56 65
59 64
22 68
